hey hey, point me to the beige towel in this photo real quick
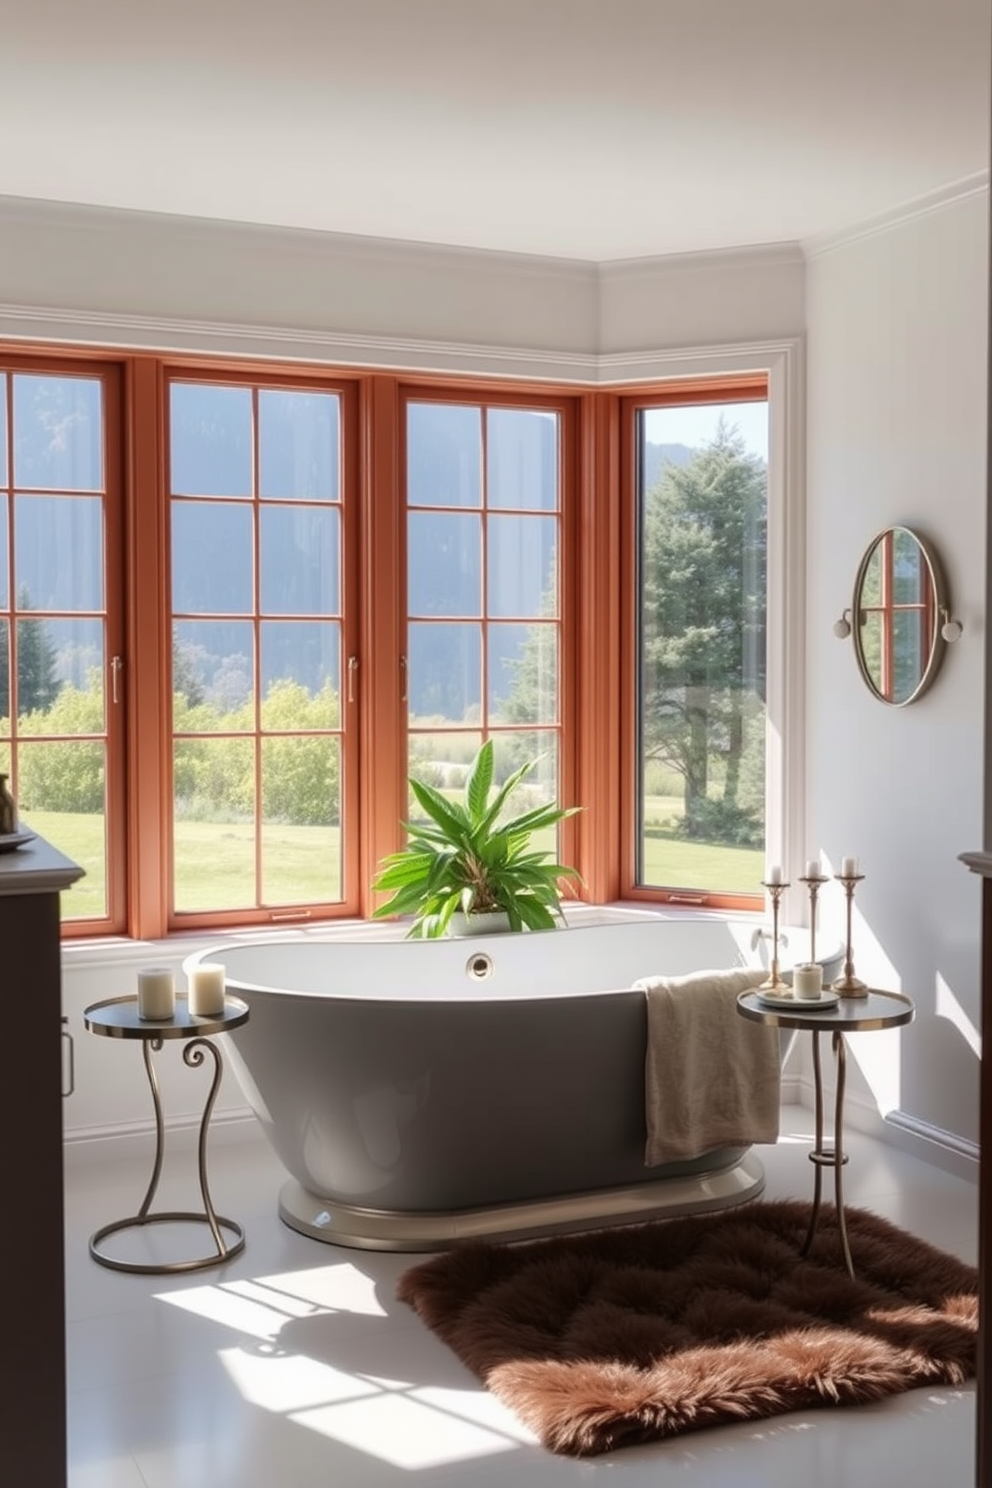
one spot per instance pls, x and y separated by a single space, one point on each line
712 1078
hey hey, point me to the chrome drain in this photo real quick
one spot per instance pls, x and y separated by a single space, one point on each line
479 968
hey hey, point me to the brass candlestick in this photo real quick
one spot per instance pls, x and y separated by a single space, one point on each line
813 885
774 982
847 982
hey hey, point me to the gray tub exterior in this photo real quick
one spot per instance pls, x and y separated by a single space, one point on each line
409 1077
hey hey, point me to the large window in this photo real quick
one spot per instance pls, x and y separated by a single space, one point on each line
240 605
259 659
483 580
700 689
60 642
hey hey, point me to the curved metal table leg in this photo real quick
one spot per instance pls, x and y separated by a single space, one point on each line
829 1157
193 1056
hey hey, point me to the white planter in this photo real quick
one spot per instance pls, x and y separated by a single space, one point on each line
495 922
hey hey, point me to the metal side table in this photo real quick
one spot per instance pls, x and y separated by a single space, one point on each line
117 1017
846 1015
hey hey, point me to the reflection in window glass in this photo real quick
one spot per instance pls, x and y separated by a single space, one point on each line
58 433
701 646
298 445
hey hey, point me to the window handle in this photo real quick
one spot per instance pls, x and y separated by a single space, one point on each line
402 679
116 667
352 671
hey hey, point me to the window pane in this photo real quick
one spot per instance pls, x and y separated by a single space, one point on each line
58 433
58 552
523 673
443 455
300 560
4 556
301 826
539 786
441 760
3 430
212 676
214 833
701 701
212 548
445 673
60 672
910 574
909 653
522 458
210 440
298 441
521 569
61 793
304 653
444 564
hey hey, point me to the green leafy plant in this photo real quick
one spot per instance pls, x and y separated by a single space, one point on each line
464 859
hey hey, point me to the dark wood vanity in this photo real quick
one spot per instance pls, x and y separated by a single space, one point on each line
32 1261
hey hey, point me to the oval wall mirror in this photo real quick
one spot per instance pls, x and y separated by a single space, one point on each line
899 600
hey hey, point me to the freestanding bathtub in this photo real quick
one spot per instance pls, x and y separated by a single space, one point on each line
422 1092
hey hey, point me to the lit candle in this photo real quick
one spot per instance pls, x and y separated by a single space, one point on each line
156 993
813 868
807 981
848 867
206 990
774 875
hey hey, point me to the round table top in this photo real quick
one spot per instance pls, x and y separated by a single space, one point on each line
117 1017
879 1009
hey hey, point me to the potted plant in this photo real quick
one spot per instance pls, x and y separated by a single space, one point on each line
464 861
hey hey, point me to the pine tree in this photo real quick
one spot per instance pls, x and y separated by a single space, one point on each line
37 661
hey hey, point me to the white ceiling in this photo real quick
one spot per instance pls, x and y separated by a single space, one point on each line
589 129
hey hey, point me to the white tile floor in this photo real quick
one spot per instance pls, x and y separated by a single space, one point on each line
293 1366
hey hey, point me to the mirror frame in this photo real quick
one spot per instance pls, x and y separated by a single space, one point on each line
940 610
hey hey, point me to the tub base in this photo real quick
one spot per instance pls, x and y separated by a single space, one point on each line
379 1229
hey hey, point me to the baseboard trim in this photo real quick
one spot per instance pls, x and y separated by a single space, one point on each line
946 1150
136 1139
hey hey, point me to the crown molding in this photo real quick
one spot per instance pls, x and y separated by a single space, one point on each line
148 333
716 260
923 206
301 242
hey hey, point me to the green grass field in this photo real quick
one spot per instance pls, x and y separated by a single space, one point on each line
215 861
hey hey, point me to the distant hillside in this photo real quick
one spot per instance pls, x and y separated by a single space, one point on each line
657 456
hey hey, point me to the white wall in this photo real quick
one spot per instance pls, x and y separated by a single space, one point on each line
896 434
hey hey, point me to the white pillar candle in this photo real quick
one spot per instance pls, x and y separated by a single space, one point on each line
807 981
813 868
774 873
206 989
156 993
848 867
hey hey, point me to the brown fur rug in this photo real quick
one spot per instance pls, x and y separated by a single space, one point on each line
629 1335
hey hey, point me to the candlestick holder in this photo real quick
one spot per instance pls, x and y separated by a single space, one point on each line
774 982
813 884
847 982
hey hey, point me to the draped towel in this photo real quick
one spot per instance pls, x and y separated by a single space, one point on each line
712 1078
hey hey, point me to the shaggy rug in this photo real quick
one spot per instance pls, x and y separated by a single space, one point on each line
628 1335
